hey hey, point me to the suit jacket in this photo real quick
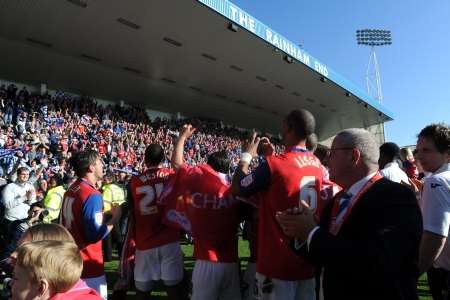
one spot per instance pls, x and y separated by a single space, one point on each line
374 255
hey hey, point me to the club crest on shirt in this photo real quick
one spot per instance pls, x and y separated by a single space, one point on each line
99 218
435 185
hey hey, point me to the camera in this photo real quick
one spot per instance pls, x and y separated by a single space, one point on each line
43 214
5 292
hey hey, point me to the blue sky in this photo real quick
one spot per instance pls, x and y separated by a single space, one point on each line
415 69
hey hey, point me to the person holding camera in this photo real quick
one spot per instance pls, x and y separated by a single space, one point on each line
36 214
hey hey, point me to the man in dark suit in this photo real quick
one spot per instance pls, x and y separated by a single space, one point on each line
368 237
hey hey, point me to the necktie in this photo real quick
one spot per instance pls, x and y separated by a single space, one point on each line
344 202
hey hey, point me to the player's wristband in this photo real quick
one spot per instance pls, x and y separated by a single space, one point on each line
246 157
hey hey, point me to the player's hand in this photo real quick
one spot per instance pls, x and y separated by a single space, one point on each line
116 213
187 131
251 145
297 222
267 147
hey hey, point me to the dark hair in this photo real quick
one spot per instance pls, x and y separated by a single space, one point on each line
154 155
67 179
439 134
322 152
302 122
57 179
21 169
219 161
37 204
81 161
390 151
311 142
108 176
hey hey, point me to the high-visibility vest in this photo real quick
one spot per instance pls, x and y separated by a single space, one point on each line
112 195
52 203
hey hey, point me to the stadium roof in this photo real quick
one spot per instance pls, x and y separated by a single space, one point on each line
177 56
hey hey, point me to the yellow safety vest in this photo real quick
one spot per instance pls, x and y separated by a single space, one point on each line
112 195
52 203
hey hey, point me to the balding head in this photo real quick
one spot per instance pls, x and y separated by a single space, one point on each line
362 140
353 155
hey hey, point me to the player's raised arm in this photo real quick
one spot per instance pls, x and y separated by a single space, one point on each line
177 155
249 151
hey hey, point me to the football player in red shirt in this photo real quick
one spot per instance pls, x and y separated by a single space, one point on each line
282 181
82 215
158 251
213 214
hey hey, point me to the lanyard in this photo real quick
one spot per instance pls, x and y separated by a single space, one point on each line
336 224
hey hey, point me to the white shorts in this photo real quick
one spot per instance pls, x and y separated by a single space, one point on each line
284 289
98 284
215 281
249 282
160 263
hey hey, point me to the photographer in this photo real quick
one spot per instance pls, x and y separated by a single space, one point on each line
36 214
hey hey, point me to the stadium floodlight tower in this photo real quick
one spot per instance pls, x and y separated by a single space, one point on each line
373 38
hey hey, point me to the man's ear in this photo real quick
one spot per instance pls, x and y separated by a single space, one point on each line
356 156
44 289
91 169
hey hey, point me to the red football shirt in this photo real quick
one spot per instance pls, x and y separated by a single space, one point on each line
212 211
73 218
294 175
145 191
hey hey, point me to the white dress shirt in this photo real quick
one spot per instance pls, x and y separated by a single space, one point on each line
393 172
353 191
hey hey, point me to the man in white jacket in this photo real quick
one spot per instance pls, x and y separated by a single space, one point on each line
17 197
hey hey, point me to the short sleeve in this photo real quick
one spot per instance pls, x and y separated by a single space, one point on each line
436 206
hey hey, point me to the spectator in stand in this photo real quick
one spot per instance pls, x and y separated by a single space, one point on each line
17 198
41 189
388 163
433 153
50 270
18 227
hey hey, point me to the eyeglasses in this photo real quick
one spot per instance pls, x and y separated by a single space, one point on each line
343 148
24 174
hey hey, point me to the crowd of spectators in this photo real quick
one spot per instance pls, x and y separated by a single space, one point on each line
42 132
